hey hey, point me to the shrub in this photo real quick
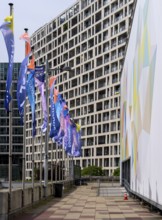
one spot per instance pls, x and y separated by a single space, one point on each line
116 172
92 171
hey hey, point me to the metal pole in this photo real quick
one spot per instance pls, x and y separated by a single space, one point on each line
33 168
59 164
62 163
52 164
24 141
41 146
10 139
46 137
10 154
68 170
56 162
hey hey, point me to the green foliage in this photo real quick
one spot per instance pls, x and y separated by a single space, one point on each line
92 171
116 172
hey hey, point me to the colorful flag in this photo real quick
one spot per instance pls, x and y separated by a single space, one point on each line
74 144
26 38
7 31
68 136
21 85
30 87
39 80
77 151
59 112
55 124
62 122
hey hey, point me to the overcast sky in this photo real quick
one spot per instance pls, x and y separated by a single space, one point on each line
31 14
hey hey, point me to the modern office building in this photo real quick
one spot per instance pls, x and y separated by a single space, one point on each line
91 38
17 129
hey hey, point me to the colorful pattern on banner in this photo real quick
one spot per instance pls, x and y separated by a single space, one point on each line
39 80
76 145
68 137
59 109
7 31
21 87
55 124
78 136
62 122
26 38
30 87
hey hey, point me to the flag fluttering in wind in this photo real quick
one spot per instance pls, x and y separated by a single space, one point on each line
30 87
58 106
55 124
61 132
64 131
68 136
39 80
7 31
21 85
76 148
74 142
26 38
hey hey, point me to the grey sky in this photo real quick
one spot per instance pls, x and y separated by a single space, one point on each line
30 14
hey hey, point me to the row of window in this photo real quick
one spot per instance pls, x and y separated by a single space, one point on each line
101 128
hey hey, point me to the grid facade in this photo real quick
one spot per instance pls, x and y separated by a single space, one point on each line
17 129
91 38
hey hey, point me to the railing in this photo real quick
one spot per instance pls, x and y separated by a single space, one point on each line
153 205
101 178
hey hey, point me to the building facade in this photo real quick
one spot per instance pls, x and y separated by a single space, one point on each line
17 129
91 38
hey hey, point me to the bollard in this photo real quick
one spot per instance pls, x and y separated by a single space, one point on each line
125 196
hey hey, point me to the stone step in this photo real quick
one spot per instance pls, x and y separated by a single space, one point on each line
112 191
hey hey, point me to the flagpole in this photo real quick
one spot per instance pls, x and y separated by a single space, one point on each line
59 163
62 162
56 161
24 138
52 164
46 137
10 138
41 145
33 168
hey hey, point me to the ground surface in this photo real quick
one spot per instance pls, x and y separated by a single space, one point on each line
90 203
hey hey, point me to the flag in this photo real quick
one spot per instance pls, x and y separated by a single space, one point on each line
55 125
30 87
62 122
77 151
59 112
68 136
39 80
7 31
26 38
21 85
74 144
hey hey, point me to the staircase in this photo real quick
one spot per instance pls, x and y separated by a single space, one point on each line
111 191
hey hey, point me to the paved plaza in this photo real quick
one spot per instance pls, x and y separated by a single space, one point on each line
87 203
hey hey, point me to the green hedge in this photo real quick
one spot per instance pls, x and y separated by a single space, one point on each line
92 171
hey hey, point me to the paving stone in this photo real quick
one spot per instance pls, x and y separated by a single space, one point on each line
85 204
